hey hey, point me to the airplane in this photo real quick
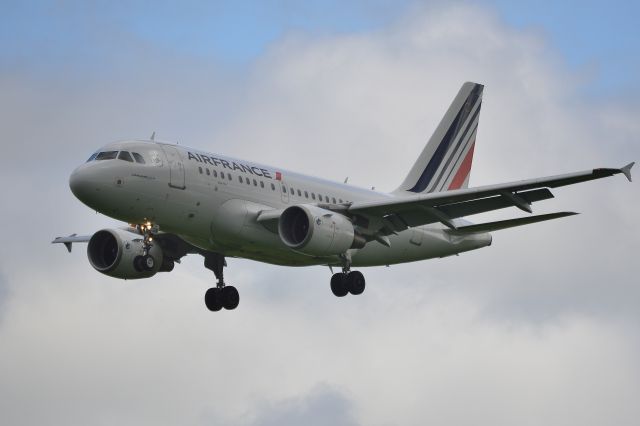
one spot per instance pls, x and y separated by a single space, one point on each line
177 201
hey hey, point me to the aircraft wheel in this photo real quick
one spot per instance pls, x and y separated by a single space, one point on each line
148 262
339 284
213 299
355 282
230 297
138 264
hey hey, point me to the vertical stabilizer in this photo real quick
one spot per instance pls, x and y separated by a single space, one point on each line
445 162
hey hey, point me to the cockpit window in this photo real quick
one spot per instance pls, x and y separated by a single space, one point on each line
93 157
107 155
138 157
124 155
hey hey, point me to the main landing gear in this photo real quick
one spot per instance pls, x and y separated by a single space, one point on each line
221 296
347 281
146 262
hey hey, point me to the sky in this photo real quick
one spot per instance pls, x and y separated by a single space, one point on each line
542 327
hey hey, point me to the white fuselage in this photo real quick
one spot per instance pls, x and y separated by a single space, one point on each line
212 202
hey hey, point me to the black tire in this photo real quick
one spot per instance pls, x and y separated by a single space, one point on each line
355 282
339 285
230 297
148 262
138 263
167 265
213 299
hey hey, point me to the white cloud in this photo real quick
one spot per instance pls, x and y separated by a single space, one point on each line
541 326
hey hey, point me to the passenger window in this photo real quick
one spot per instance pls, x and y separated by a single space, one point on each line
261 184
273 187
200 170
248 181
229 176
240 179
208 173
107 155
255 182
138 157
284 189
340 199
313 195
333 200
299 193
124 155
306 194
215 174
292 191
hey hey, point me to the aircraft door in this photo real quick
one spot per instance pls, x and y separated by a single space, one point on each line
176 167
284 191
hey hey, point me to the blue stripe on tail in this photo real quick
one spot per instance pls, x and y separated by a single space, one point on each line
438 155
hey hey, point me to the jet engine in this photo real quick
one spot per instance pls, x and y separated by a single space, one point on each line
118 253
315 231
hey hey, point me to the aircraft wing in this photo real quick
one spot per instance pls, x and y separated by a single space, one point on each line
172 245
398 214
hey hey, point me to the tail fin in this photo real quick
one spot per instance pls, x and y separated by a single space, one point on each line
445 163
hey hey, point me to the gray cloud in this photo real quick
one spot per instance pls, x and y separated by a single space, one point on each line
547 314
4 294
322 406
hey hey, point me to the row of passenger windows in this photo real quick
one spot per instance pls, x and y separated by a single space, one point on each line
293 191
120 155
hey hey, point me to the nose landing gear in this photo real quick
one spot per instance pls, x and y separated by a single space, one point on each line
146 262
221 296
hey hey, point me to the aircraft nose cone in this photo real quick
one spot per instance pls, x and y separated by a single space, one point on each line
79 184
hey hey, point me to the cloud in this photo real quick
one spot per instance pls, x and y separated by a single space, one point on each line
322 406
4 294
542 325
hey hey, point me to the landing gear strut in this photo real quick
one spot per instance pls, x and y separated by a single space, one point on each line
146 262
347 281
222 295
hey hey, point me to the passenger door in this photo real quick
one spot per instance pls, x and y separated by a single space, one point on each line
176 167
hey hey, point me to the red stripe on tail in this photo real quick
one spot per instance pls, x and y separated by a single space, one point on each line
463 171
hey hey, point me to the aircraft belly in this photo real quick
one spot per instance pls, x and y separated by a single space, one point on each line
407 246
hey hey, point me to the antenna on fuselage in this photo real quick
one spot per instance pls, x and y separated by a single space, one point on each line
153 136
346 179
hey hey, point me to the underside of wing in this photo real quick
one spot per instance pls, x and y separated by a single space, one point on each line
509 223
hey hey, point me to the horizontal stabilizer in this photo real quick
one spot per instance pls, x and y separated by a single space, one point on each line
509 223
73 238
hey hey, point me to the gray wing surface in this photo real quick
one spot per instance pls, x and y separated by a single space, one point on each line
400 213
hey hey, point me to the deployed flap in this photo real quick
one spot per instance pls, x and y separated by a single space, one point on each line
510 223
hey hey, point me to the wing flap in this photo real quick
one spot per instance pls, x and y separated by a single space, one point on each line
509 223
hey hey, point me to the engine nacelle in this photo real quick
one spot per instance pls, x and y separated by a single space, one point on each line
315 231
112 252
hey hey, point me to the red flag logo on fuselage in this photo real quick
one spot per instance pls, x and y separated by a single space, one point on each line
278 176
